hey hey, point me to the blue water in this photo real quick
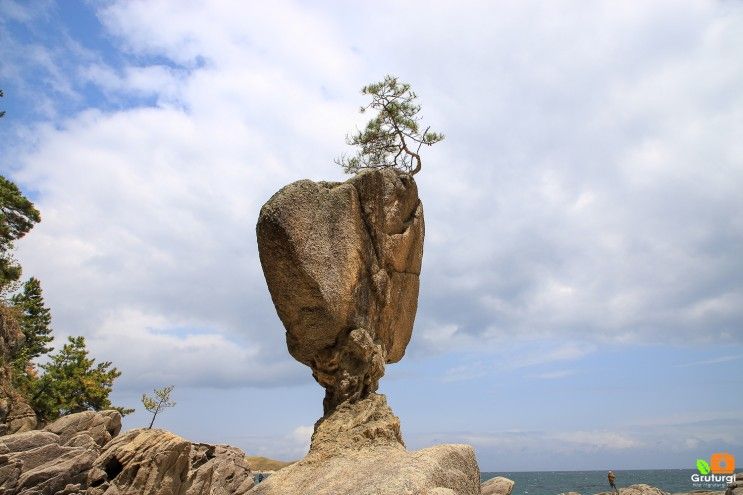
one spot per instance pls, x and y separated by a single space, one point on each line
590 482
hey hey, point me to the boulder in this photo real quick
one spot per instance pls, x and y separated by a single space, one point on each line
342 262
357 450
497 486
35 462
218 470
152 462
101 426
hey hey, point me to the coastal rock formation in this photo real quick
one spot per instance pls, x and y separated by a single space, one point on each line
16 415
638 489
342 262
736 487
497 486
101 426
358 450
81 454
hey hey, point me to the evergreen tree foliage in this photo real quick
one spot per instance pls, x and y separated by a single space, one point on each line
72 382
35 319
158 402
18 215
392 138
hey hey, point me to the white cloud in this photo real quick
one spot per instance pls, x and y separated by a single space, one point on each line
587 191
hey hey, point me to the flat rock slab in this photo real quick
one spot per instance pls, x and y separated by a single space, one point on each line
443 469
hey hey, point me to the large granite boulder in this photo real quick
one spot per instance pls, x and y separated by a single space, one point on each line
342 261
497 486
357 450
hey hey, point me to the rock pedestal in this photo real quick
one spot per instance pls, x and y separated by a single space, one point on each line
342 261
358 450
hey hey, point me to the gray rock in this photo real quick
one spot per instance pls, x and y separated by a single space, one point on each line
497 486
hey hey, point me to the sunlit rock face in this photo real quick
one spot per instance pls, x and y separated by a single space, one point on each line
342 262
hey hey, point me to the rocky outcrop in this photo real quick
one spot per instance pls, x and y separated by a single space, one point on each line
497 486
342 262
638 489
736 487
81 454
101 426
358 450
16 415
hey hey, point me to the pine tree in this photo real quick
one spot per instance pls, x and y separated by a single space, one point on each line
158 402
35 319
392 138
18 215
72 382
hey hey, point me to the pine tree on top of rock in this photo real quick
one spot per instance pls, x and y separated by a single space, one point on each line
392 139
158 402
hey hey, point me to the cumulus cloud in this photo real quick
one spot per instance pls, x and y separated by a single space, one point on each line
588 190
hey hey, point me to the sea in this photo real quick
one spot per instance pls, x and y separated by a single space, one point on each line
590 482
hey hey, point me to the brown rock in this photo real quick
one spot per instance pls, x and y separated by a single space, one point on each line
218 470
102 426
157 462
342 263
357 450
497 486
152 462
638 489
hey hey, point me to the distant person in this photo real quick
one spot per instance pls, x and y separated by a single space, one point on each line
612 479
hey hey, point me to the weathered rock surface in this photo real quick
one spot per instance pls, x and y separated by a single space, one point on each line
81 454
497 486
638 489
16 415
735 488
358 450
100 426
342 262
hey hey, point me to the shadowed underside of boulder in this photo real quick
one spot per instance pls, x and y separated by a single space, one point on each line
342 262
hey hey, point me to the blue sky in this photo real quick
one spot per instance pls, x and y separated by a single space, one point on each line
581 303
